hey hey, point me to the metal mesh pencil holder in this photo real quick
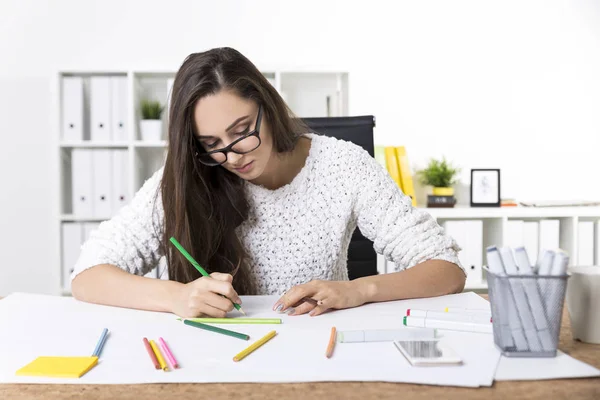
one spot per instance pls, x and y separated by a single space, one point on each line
526 313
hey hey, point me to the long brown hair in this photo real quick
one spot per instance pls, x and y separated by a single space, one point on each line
204 205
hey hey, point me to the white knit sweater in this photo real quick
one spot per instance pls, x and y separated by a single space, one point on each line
297 233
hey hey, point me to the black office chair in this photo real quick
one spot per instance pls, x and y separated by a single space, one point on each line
362 259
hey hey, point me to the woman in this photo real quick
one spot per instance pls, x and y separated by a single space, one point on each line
264 206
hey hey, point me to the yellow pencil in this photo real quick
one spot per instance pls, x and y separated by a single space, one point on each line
255 346
159 356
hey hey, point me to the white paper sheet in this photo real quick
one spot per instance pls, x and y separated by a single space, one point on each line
36 325
526 369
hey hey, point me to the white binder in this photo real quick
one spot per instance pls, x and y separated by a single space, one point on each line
71 244
120 172
475 251
72 109
469 236
549 235
100 109
513 237
81 179
381 264
101 178
118 91
585 243
597 244
530 240
88 228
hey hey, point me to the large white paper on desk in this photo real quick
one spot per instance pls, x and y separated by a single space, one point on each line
526 369
37 325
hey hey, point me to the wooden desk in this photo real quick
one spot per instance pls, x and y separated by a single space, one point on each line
588 388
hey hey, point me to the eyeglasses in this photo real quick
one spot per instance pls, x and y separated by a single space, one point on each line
243 145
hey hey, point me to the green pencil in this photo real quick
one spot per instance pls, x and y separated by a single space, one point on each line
238 321
198 267
217 330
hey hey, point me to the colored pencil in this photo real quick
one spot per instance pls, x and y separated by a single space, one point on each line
168 353
331 345
254 346
100 343
215 329
151 354
199 267
159 357
238 321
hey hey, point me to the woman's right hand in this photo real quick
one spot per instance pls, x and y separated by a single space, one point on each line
202 297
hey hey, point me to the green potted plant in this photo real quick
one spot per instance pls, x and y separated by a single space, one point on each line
151 124
442 176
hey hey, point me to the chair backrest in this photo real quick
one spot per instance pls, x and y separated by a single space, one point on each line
362 259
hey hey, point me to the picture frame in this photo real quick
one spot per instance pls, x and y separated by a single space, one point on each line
485 188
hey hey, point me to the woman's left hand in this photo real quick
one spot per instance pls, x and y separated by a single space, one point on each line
328 294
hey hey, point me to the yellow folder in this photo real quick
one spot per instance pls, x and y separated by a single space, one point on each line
59 367
391 164
405 175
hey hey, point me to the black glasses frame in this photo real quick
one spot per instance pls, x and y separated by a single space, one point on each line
227 149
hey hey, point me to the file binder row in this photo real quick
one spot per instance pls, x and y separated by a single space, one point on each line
74 234
99 182
107 109
588 243
468 234
534 236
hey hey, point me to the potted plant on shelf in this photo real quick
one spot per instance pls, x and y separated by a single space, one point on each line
151 124
442 176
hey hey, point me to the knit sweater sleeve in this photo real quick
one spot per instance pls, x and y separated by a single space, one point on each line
131 239
405 235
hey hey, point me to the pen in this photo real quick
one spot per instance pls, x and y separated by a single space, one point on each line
535 300
386 335
450 325
464 317
524 311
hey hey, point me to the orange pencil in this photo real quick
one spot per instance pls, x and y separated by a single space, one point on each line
331 344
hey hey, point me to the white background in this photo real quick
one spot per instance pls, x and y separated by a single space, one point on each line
513 85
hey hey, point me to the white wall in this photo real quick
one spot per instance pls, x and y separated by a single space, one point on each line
512 85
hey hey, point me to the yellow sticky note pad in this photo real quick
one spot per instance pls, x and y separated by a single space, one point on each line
59 367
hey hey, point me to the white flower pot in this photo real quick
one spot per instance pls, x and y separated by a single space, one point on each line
151 130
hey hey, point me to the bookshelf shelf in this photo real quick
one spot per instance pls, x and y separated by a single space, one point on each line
141 144
75 218
513 212
93 145
498 228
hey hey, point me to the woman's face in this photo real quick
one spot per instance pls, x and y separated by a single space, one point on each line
221 119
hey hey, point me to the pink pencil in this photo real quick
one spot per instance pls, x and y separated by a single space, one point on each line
168 353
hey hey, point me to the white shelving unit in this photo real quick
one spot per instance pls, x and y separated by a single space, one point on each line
495 221
309 93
